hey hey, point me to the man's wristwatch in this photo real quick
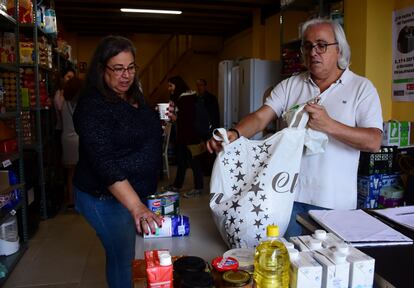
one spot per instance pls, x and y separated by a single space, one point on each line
235 131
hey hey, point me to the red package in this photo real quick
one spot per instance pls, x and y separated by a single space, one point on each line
8 146
159 269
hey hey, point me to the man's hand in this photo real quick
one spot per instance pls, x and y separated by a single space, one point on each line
319 119
215 146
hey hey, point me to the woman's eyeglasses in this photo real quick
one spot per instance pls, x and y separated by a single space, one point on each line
320 47
120 70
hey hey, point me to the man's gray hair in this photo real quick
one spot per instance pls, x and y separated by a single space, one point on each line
344 49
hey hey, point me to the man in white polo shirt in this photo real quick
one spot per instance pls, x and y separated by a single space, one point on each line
349 112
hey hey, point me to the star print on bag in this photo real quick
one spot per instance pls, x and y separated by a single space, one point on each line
253 184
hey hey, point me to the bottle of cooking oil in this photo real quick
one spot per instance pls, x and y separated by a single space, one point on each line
271 262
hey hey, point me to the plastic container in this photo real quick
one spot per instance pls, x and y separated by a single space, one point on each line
187 265
271 262
237 278
9 237
244 256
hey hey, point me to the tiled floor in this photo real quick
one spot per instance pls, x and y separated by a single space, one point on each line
65 252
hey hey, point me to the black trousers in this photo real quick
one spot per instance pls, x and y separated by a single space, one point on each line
185 160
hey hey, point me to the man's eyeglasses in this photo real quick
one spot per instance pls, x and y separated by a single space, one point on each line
120 70
320 47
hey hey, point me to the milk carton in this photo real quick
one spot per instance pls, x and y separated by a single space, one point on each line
299 244
335 268
305 272
306 243
328 239
362 266
288 245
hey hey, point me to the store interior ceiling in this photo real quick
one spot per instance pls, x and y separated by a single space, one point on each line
199 17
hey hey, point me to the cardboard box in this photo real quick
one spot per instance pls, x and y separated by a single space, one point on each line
369 188
391 133
335 268
362 266
404 134
305 271
158 276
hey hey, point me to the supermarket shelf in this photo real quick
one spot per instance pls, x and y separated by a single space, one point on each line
301 5
11 188
7 158
292 43
11 114
8 67
42 67
7 21
11 261
4 215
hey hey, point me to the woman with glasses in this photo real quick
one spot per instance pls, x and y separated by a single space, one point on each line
119 156
348 110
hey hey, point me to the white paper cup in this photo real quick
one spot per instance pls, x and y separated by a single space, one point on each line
163 109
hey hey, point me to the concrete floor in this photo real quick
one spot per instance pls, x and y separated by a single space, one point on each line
65 252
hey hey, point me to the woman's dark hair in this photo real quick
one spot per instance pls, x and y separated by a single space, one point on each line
109 47
71 90
180 87
60 76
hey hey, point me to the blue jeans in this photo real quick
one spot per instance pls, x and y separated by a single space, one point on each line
294 228
116 229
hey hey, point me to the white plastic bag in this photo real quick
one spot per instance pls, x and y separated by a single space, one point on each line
253 183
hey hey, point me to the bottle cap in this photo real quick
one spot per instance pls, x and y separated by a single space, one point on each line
343 248
272 231
289 245
293 254
165 259
222 264
319 234
339 257
315 244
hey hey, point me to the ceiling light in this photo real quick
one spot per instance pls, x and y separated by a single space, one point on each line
130 10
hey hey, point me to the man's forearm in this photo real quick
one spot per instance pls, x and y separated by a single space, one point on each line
364 139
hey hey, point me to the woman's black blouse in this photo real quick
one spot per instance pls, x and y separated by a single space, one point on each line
116 142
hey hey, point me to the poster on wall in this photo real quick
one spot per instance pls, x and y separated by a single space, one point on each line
403 54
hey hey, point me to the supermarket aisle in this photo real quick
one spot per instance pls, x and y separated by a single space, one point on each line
65 252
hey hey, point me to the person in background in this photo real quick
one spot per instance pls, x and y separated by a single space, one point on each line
58 99
349 112
210 102
189 143
120 148
70 140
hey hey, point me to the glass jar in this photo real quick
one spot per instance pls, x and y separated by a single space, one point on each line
221 265
237 278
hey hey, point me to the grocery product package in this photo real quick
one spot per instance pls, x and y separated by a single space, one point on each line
253 182
172 226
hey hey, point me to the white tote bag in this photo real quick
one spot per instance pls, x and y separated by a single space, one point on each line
253 182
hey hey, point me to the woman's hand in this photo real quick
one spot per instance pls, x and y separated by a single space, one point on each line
145 220
171 112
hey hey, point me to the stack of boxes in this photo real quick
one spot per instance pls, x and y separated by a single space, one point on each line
378 183
398 133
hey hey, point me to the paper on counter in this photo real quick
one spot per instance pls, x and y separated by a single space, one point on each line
400 215
358 227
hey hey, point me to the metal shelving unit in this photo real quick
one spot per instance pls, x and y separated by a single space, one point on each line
320 7
9 160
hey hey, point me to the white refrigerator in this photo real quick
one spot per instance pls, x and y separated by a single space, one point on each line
242 87
256 80
227 89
